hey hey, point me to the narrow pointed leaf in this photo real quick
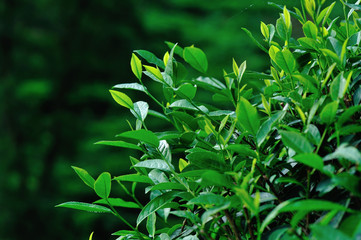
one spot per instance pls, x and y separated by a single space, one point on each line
85 176
85 207
136 66
120 144
296 141
141 135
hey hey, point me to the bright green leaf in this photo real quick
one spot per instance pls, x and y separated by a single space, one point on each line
118 202
120 144
122 99
247 116
102 185
311 160
141 135
85 176
196 58
328 113
136 66
85 207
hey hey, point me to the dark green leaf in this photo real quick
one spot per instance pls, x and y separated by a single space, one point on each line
267 126
187 90
296 141
209 199
349 153
150 58
285 60
168 186
151 220
207 160
352 225
346 116
154 205
349 182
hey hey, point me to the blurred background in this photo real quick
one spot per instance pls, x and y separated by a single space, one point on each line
57 61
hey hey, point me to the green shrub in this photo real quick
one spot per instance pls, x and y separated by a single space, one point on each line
270 155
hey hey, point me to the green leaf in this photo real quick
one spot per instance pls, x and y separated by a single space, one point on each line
352 225
150 58
134 178
183 104
208 199
281 28
120 144
308 43
85 176
313 205
154 164
328 113
345 116
154 205
151 220
324 232
196 58
310 30
325 13
210 212
250 35
85 207
168 186
141 135
241 71
136 66
267 126
308 82
118 202
247 116
207 160
353 6
296 141
311 160
154 73
349 153
187 90
178 50
169 66
349 182
91 236
242 150
332 55
102 185
122 99
140 110
132 86
285 60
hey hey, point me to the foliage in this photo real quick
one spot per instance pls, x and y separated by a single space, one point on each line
270 155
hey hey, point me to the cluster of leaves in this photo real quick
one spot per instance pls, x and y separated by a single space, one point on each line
272 155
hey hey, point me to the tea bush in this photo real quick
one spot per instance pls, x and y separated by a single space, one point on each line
271 155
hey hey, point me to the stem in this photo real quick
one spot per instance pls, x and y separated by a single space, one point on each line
123 220
323 136
250 229
233 225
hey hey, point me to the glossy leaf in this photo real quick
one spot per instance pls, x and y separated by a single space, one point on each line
85 207
247 116
311 160
150 58
151 220
117 202
310 30
187 90
346 115
134 178
208 199
154 164
349 153
120 144
85 176
140 110
132 86
141 135
168 186
154 205
136 66
196 58
267 126
328 113
122 99
102 185
285 60
296 141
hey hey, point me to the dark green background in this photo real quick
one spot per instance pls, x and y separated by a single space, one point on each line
57 61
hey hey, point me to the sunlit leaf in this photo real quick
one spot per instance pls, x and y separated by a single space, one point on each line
85 207
102 185
85 176
122 99
196 58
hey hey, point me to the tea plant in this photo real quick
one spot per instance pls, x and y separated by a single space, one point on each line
270 155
